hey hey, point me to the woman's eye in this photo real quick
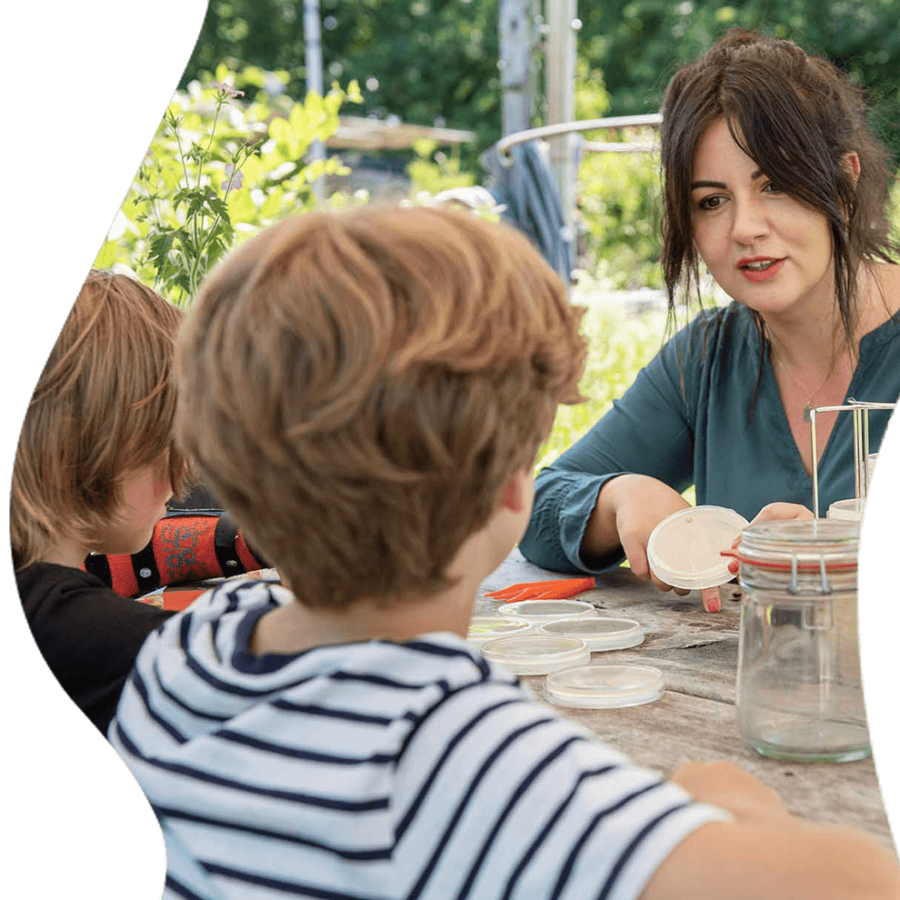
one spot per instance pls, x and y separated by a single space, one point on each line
774 188
710 202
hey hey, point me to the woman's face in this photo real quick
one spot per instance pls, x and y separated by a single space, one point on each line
763 247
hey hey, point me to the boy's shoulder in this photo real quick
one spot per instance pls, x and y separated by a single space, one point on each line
205 652
196 681
353 757
51 592
42 578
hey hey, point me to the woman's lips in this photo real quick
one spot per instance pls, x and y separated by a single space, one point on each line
763 274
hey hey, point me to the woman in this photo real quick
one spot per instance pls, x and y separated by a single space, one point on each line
774 181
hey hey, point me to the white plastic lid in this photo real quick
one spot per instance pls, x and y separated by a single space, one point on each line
605 686
598 632
851 509
486 628
537 654
548 610
871 463
685 549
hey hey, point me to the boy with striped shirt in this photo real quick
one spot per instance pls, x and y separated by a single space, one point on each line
367 393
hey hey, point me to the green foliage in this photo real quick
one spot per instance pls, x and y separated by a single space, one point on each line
638 44
619 346
619 202
895 208
591 97
617 196
218 170
433 171
431 62
436 60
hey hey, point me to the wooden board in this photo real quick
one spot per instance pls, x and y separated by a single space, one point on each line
695 719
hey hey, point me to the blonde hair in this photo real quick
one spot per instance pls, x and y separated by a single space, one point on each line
359 387
103 407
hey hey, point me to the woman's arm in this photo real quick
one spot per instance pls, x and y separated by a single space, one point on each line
575 525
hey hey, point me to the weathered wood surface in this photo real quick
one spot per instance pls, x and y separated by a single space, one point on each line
695 719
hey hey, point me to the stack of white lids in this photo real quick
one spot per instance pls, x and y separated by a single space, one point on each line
556 638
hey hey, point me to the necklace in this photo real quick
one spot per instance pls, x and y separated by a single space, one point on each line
807 409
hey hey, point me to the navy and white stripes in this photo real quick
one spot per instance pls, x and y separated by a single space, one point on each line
376 770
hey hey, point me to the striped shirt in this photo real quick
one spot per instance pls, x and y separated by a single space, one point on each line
376 770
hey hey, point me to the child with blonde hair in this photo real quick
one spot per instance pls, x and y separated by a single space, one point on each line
367 393
95 467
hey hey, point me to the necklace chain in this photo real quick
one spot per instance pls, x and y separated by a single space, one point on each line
807 409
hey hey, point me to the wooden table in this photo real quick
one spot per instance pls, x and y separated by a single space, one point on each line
695 719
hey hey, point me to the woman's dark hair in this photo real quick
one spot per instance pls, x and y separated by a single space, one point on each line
797 116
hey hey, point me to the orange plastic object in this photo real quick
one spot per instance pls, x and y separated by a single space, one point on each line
555 589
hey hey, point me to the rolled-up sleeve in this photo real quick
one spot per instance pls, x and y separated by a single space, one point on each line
563 502
648 431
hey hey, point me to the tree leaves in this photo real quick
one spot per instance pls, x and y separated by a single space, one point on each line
190 201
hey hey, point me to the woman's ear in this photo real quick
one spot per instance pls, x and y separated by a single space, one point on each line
850 162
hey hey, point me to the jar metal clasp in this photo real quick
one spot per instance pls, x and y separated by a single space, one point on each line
818 616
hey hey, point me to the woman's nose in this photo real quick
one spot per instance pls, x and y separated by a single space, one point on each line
750 222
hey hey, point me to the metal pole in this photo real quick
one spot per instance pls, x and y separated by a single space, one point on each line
312 39
860 410
516 73
562 22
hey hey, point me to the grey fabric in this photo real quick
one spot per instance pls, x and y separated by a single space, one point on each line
524 183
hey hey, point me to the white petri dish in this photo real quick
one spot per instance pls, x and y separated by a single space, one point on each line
539 611
605 686
685 549
486 628
598 632
851 509
536 654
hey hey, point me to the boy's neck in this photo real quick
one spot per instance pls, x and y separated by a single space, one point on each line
66 552
294 627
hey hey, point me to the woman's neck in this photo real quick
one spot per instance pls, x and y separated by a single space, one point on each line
819 344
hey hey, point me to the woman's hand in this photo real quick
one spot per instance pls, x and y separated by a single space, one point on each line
782 511
628 508
773 512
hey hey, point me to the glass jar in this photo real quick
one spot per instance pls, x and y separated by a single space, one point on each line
799 689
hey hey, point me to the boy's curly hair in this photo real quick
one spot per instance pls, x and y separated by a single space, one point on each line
359 387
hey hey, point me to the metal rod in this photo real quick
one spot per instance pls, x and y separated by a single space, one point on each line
815 460
624 147
857 447
860 410
504 144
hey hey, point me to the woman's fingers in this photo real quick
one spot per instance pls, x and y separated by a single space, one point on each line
772 511
710 599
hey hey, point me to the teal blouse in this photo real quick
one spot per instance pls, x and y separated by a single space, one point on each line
689 418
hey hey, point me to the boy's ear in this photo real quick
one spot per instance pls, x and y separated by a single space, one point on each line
513 495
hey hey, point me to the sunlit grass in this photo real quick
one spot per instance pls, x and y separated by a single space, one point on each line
620 344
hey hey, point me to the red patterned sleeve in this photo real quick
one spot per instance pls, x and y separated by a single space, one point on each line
186 546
